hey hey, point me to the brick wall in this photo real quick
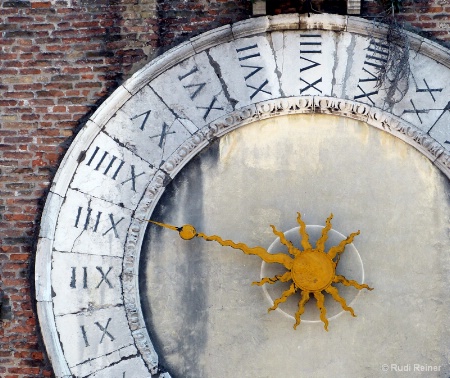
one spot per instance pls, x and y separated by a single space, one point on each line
429 18
58 62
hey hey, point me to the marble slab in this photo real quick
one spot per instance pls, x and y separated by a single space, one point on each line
148 128
247 66
92 226
93 340
111 172
305 61
85 282
193 90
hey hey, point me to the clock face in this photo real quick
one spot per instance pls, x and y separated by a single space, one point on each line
197 295
232 131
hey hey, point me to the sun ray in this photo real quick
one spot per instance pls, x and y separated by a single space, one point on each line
301 307
321 306
291 249
338 249
335 294
279 277
303 234
283 298
344 281
320 245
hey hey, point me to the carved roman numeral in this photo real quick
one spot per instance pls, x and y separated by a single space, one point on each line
104 157
376 57
209 108
259 89
415 111
103 329
312 65
113 226
132 179
446 109
366 95
104 278
244 54
310 44
311 85
88 218
372 77
110 165
73 280
194 90
181 77
197 87
247 48
428 89
147 113
83 332
162 137
377 54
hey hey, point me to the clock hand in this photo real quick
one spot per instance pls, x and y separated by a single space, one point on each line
188 232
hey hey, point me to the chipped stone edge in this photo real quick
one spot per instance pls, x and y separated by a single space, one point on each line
159 65
70 161
262 110
212 38
54 350
332 22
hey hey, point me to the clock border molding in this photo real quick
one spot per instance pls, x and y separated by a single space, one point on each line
308 104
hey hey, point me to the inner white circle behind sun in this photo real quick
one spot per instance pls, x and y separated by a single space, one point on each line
350 265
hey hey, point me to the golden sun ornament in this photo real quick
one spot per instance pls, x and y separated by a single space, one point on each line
310 271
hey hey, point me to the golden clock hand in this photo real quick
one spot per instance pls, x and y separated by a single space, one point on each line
188 232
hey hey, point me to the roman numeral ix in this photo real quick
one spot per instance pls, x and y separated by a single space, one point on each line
102 328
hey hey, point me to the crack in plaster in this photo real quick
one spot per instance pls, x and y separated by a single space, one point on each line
218 73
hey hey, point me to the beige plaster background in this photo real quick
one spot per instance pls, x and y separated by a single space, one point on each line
205 318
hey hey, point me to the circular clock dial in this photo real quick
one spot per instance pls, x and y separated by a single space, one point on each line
205 317
276 75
